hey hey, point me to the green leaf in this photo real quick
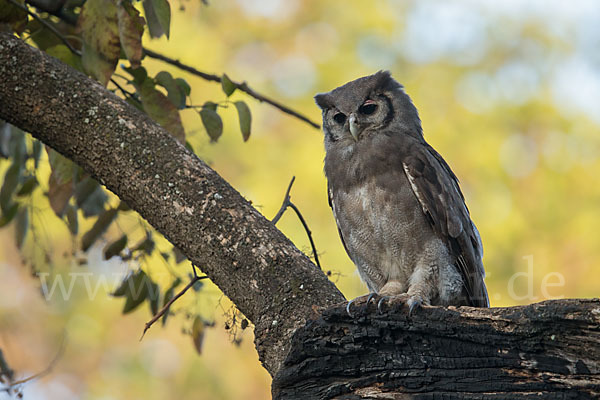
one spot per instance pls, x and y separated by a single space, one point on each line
61 167
72 219
227 85
36 152
131 29
59 194
153 297
99 227
212 123
42 36
179 256
5 371
9 214
198 329
139 74
65 55
169 293
98 24
158 15
13 16
17 146
90 196
28 185
210 105
84 189
22 226
161 110
5 134
147 245
184 86
166 298
245 118
11 180
60 184
174 91
114 248
135 290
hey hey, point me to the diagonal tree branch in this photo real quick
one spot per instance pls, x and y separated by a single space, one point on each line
243 86
273 283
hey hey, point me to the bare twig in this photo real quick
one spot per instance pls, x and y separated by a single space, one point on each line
45 371
166 307
308 232
241 86
125 92
47 25
287 202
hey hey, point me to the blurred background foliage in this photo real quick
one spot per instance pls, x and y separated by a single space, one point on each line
508 92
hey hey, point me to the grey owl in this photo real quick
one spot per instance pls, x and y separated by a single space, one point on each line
399 210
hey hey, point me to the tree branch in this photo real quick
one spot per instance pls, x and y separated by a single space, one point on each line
273 283
548 350
243 86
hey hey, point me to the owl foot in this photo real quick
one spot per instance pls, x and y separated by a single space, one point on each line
413 302
369 297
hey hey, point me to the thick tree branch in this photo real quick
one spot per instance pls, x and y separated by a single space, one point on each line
255 265
549 350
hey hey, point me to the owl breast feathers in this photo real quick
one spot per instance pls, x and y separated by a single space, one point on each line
397 204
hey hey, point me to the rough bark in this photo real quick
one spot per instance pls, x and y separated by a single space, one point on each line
274 284
547 350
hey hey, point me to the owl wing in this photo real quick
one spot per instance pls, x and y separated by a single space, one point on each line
437 191
337 222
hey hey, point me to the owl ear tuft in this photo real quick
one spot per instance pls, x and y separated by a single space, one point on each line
324 101
384 80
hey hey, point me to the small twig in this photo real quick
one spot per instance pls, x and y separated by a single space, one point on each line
287 202
46 370
125 92
165 308
308 232
241 86
47 25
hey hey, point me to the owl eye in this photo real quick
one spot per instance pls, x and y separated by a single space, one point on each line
339 118
368 107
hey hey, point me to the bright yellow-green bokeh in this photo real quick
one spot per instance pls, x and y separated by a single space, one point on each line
504 110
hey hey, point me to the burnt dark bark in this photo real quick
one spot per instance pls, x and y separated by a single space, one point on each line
547 350
273 283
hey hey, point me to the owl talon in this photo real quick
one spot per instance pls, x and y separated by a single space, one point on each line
371 297
380 302
348 308
413 305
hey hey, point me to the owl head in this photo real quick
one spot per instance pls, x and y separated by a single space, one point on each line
366 106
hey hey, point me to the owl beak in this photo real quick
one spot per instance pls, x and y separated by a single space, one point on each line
353 124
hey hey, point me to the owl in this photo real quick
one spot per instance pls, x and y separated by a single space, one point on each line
398 207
